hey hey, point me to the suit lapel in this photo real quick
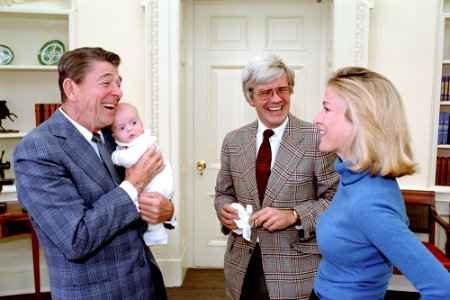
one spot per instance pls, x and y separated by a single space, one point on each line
286 160
80 151
247 160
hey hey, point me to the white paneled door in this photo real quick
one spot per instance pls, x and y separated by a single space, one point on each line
227 34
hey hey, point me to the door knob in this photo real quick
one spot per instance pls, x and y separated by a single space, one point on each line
201 165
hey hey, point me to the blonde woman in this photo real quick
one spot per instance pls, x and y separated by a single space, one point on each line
364 232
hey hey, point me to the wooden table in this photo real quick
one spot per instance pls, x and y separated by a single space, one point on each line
14 218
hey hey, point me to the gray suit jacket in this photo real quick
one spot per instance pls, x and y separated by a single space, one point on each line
303 179
89 228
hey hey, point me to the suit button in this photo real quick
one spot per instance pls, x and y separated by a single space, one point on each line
142 263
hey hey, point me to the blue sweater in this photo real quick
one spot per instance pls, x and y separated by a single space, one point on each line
362 233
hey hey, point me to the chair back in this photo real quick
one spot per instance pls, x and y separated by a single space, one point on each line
421 210
420 206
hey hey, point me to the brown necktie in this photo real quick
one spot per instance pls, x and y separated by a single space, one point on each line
263 162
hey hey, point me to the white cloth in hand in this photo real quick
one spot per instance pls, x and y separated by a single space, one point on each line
244 227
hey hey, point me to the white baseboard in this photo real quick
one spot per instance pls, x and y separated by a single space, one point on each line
173 270
400 283
21 281
16 267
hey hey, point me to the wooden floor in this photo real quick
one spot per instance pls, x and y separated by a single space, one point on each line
207 284
201 284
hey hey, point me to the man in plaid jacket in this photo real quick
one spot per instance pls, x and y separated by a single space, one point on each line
281 259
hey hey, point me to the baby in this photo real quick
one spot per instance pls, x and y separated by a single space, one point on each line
132 141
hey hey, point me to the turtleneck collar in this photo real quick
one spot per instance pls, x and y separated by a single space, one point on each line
348 176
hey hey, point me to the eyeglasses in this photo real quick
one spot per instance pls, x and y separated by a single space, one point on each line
282 91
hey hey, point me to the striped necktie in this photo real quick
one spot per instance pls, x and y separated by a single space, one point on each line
106 158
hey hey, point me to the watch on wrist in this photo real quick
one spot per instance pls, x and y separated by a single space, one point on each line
298 221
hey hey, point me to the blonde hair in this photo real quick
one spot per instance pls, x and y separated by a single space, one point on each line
380 141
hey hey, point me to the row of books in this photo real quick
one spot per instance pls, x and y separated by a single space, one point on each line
44 110
443 125
445 88
443 171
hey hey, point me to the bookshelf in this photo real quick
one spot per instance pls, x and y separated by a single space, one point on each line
25 26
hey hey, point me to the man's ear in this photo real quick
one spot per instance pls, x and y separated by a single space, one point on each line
251 102
69 87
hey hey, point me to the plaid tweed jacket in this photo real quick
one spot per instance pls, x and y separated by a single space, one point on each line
302 178
89 228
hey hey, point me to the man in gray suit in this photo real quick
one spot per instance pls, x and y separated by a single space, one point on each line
89 216
281 259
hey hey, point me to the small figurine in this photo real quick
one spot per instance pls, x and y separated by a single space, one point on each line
4 112
4 166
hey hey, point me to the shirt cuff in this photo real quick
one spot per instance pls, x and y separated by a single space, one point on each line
172 221
131 191
171 224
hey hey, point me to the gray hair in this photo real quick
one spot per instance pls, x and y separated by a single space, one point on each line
264 69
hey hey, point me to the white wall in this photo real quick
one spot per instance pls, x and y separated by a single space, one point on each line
118 26
402 44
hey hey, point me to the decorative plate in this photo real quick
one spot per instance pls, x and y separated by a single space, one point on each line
51 52
6 55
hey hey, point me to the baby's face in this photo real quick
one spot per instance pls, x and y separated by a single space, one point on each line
127 125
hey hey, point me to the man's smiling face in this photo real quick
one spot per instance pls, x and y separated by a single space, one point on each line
272 111
96 97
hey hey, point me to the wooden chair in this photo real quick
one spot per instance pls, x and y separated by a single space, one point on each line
421 210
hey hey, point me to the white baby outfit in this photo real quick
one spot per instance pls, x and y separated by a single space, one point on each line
126 155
